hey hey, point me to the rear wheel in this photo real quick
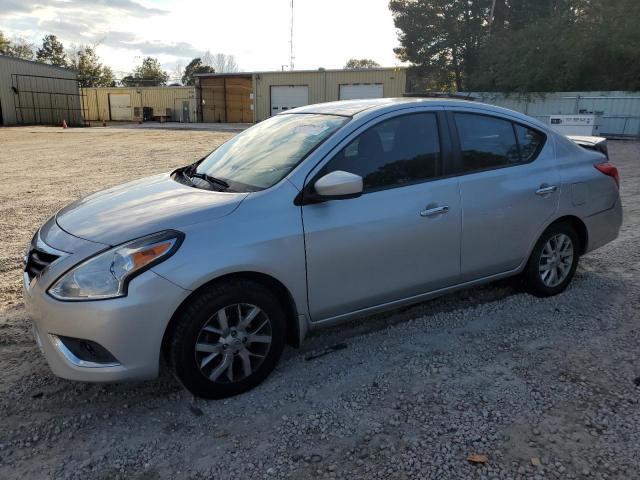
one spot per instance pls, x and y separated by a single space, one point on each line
553 261
227 339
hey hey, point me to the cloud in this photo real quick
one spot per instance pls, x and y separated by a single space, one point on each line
14 6
65 28
128 7
88 21
148 47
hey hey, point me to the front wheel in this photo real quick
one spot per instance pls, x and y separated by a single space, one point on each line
553 261
228 339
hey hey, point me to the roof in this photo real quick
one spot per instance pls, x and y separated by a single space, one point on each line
354 107
345 107
16 59
347 70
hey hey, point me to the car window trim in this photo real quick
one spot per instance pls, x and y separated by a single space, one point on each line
457 148
444 141
538 149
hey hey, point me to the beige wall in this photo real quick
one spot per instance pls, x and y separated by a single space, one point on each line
96 100
324 85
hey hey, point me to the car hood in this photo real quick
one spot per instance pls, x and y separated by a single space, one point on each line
142 207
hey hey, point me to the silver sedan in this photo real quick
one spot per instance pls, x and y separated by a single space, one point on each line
310 218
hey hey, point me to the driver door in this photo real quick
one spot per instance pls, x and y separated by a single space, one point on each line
401 237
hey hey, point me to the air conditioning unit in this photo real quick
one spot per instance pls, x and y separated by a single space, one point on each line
586 125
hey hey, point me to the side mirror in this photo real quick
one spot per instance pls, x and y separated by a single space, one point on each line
339 184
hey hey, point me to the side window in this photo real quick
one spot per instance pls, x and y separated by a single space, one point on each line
398 151
529 141
486 142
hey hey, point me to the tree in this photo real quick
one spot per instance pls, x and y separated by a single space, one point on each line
91 73
560 45
52 51
148 74
441 35
354 63
220 62
5 44
20 48
195 66
610 46
520 45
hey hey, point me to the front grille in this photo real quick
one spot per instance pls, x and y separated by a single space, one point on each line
37 261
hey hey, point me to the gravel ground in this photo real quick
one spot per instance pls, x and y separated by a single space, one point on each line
542 388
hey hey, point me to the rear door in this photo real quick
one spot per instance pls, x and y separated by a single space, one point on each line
509 185
401 238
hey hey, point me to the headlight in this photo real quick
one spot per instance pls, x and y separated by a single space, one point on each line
107 274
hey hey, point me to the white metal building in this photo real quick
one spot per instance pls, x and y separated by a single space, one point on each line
36 93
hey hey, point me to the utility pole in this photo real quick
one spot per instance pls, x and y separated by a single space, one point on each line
291 40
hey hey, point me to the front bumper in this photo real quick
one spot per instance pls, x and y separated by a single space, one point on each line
131 328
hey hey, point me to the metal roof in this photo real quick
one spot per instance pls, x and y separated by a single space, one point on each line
16 59
240 74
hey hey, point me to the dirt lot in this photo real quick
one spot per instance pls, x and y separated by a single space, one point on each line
491 370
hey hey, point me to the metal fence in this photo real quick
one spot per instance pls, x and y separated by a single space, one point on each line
620 110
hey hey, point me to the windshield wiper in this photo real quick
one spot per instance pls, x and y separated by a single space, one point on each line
208 178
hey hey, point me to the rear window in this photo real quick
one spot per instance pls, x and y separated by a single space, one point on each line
488 142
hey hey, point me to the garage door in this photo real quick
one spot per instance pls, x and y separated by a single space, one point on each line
120 105
359 91
285 98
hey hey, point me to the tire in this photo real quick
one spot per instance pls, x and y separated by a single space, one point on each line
539 272
201 348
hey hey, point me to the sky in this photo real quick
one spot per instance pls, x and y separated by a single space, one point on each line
326 33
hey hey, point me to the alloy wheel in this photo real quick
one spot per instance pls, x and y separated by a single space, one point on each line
233 343
556 260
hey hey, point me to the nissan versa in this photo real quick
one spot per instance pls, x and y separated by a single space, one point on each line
312 217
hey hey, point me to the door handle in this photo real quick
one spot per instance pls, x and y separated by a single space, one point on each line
432 212
546 189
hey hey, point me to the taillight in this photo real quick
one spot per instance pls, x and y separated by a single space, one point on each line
610 170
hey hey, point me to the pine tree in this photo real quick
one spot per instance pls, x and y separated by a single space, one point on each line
52 52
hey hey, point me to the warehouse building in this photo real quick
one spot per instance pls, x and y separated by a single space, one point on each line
252 97
34 93
176 104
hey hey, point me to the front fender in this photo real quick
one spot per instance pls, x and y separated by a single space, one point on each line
264 235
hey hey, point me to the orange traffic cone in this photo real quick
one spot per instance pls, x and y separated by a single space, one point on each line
64 124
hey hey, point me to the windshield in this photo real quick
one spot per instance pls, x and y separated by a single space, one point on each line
262 155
